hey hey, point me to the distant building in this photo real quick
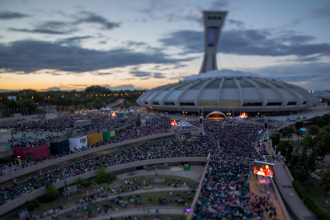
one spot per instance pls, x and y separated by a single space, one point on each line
12 97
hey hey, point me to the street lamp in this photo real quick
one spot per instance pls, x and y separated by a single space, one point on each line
286 153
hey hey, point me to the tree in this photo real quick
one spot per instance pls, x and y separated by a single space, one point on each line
29 104
321 148
313 130
299 133
298 125
283 146
138 121
325 181
307 142
288 131
98 103
51 193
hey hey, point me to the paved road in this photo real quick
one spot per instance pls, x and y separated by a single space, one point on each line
326 159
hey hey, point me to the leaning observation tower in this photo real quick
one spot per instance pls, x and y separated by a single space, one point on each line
224 91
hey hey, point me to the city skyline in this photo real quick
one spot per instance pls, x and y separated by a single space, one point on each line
70 45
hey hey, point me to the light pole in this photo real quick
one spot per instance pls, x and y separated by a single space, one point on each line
286 157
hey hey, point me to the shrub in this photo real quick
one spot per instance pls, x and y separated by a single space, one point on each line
50 195
32 205
308 201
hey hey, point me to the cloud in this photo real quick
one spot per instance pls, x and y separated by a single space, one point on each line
53 88
140 73
158 75
89 17
250 42
37 31
59 27
11 15
219 4
73 40
323 12
123 87
29 56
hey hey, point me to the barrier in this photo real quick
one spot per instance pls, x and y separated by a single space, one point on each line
78 143
58 148
45 164
94 138
38 152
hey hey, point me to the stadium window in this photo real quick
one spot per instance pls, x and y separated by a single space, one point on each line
169 103
187 104
274 103
252 104
155 103
292 103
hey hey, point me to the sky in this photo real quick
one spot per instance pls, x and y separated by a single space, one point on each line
129 44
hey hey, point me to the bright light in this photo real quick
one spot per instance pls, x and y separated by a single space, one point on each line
243 115
173 123
113 114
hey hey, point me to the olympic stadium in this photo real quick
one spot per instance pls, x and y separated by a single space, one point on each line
224 91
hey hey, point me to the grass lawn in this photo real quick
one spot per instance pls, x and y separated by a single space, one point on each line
144 198
318 197
162 217
117 183
148 179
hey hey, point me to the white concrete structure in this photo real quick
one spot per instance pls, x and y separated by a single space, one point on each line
213 22
205 93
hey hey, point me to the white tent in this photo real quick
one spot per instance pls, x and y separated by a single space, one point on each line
108 109
102 109
185 124
77 143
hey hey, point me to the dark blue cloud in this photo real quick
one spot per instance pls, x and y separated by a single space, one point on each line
250 42
6 15
30 56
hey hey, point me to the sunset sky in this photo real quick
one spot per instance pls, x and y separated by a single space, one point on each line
129 44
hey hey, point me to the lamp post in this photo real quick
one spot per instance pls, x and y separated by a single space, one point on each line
286 157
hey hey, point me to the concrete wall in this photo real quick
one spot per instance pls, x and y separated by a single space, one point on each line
39 192
39 166
198 191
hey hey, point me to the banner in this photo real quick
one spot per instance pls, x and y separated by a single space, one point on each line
94 138
108 134
59 147
38 152
77 143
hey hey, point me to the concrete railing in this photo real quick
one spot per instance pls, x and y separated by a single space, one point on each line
280 201
40 166
198 191
39 192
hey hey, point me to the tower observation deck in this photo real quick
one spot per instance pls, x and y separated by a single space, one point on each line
213 22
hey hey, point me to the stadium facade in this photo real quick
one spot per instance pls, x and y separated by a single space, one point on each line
214 90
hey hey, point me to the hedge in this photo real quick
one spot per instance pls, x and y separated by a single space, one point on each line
308 201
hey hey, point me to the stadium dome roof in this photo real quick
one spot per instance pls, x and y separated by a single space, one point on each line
213 91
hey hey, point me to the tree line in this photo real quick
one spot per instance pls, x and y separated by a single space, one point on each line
28 101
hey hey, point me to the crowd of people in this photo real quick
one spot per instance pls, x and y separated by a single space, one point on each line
158 125
200 147
225 191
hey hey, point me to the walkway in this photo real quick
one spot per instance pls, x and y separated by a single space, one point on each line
284 185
